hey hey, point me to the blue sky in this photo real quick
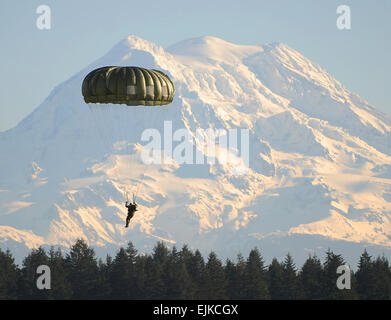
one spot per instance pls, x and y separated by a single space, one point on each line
34 61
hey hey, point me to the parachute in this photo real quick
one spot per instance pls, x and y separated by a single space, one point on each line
128 85
110 90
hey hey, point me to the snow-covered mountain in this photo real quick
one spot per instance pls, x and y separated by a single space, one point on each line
319 160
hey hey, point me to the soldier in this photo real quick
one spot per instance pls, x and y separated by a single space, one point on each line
132 208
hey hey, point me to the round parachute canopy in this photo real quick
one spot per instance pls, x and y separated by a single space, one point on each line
128 85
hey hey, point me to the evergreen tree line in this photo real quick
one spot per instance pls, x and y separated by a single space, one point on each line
172 274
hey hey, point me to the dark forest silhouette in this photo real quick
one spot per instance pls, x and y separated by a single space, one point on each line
171 274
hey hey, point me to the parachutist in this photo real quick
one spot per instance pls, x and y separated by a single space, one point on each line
132 208
133 86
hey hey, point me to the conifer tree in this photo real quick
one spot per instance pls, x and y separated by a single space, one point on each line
241 272
330 276
8 276
140 277
235 275
290 286
160 253
28 288
255 277
60 286
215 281
382 271
366 278
82 268
156 273
131 252
311 278
186 254
178 282
275 280
373 278
121 276
230 275
195 266
104 286
154 287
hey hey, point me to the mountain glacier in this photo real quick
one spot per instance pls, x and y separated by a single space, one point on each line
319 171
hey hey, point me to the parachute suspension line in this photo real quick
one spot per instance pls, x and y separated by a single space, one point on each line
103 128
137 190
128 148
109 128
157 122
153 117
114 127
138 185
132 83
120 115
122 125
128 119
97 123
115 134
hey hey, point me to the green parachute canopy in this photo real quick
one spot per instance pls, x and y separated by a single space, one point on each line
128 85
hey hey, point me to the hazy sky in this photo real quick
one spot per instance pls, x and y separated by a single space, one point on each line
34 61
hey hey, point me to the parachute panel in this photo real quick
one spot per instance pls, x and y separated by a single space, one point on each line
128 85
